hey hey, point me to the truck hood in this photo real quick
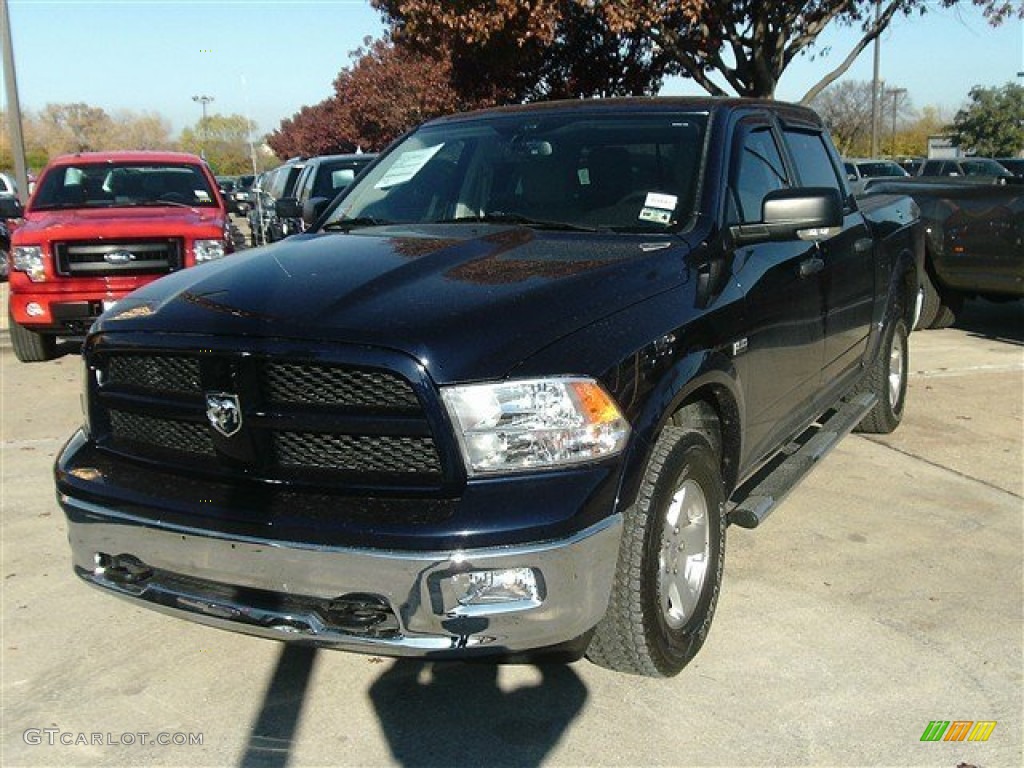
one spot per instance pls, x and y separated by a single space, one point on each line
467 301
95 223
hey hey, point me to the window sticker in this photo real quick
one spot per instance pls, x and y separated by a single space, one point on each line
583 174
202 195
655 215
661 202
407 166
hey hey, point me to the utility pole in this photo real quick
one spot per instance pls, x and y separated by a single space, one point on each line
875 84
202 101
895 93
14 106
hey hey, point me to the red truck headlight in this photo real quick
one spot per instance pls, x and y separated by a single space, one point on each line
29 259
208 250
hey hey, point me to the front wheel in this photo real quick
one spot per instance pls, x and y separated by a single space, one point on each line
670 562
29 346
887 380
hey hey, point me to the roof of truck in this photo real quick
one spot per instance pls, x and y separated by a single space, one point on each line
127 156
654 103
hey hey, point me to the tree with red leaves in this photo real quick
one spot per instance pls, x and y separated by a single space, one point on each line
387 90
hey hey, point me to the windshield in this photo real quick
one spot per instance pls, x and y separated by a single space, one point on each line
877 170
123 184
983 166
562 171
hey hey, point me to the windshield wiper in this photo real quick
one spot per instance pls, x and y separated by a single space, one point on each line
347 225
150 203
500 217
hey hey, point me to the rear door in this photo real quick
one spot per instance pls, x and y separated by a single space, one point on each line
847 259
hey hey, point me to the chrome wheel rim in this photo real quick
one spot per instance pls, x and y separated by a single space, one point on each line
684 554
896 372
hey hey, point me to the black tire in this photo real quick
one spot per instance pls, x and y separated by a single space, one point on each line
650 629
29 346
887 380
938 308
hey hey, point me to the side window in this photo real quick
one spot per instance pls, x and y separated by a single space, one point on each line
812 160
930 168
304 183
757 169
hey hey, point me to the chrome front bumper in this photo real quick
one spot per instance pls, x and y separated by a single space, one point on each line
370 601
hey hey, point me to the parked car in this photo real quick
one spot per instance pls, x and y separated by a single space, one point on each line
264 225
969 167
226 185
7 186
321 181
98 226
242 193
1014 165
508 396
5 248
973 243
858 171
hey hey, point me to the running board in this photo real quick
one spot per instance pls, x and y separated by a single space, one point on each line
753 501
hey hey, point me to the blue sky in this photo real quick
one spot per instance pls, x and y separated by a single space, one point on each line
269 58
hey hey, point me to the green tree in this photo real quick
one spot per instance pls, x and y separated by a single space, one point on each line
992 124
223 140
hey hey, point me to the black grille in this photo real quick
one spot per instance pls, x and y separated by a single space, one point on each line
355 453
96 258
312 423
131 429
162 374
315 384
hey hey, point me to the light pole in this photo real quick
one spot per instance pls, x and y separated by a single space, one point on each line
875 84
202 101
895 93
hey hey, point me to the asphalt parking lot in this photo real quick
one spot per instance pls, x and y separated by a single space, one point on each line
884 594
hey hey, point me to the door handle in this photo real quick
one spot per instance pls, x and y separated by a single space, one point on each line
811 266
863 245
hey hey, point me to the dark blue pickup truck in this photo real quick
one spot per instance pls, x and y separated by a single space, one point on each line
506 396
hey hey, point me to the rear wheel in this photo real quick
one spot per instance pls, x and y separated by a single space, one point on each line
670 562
887 380
938 308
29 346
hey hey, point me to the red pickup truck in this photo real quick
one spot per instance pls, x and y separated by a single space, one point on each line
98 226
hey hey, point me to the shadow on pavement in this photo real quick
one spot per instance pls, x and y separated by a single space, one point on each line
997 321
272 735
446 714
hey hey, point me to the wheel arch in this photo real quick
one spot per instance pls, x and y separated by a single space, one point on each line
702 392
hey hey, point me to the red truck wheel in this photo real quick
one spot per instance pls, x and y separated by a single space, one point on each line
29 346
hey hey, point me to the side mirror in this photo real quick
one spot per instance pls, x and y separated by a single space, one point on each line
287 208
10 208
312 209
807 213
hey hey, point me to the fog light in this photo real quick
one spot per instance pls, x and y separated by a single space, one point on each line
32 309
510 589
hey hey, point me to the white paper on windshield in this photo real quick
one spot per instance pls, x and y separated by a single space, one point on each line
655 215
407 166
660 201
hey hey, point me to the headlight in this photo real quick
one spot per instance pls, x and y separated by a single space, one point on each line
29 259
534 424
208 250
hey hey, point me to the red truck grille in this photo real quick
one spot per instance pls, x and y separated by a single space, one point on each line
99 258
